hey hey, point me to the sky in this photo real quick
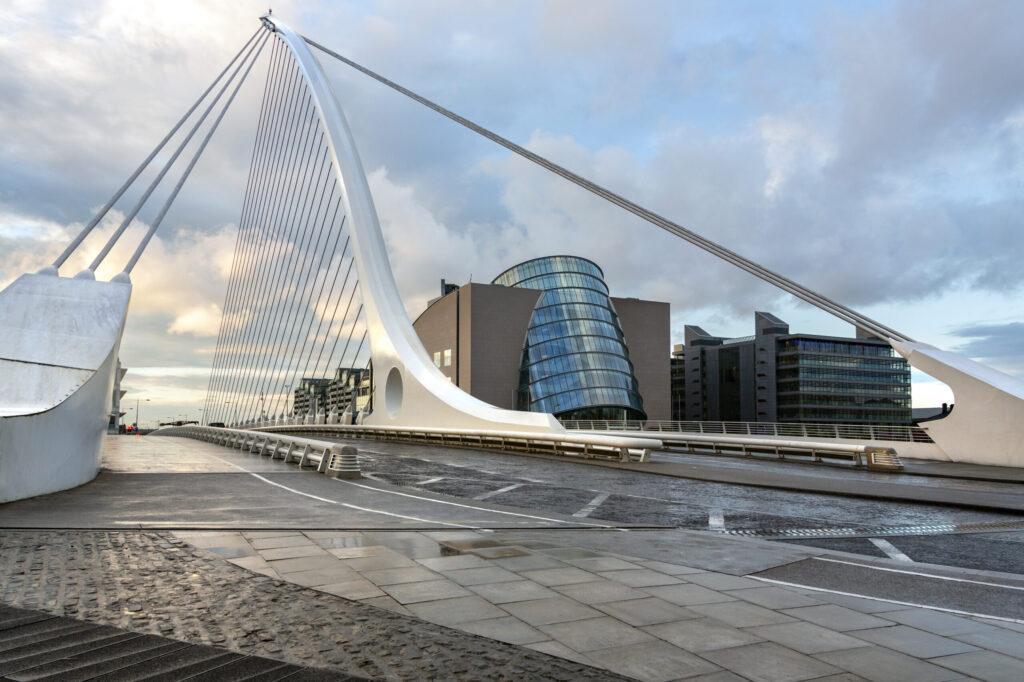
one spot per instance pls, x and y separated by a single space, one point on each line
872 151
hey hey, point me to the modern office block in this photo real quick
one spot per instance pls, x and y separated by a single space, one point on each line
776 376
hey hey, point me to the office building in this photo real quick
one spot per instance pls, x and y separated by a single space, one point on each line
546 336
776 376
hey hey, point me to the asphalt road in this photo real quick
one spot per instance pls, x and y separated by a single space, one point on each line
917 532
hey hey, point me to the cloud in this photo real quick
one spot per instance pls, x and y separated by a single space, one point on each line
1000 343
873 153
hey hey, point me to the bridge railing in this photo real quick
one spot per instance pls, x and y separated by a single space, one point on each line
902 434
573 444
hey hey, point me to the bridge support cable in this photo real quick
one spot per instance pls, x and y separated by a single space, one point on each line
257 243
294 122
242 234
88 228
274 296
279 126
155 225
289 362
133 212
280 316
788 285
305 263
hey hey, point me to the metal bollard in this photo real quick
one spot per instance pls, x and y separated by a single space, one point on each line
345 464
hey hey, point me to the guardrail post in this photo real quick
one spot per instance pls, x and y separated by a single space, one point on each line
305 456
325 459
288 452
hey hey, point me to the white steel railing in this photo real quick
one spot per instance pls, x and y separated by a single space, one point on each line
573 444
902 434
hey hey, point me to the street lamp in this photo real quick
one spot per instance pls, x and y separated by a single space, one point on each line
137 421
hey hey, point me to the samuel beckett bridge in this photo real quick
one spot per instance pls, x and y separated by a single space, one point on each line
311 289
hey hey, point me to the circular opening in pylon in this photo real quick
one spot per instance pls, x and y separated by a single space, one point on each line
393 392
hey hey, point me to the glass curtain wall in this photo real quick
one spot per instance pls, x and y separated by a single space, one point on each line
575 362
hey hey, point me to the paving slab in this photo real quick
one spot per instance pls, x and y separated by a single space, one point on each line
455 610
937 622
395 576
546 611
807 638
481 576
278 541
996 639
505 629
884 665
769 662
302 564
702 634
722 581
451 563
430 590
915 642
599 591
595 633
560 576
652 661
529 562
774 597
641 577
293 552
352 589
837 617
985 665
561 651
601 563
322 576
687 594
520 590
741 614
647 611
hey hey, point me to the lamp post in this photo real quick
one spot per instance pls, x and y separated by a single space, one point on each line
137 421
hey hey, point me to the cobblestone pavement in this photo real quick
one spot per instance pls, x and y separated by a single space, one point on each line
153 583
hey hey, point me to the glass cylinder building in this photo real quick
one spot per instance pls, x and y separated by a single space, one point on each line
575 361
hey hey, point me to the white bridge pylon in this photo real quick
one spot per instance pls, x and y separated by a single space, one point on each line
409 389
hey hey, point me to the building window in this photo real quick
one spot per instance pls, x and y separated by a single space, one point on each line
437 359
448 357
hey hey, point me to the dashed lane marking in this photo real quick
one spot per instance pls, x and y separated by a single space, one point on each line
430 480
592 506
344 504
469 506
499 491
890 550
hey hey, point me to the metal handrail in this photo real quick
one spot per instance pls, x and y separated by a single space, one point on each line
902 434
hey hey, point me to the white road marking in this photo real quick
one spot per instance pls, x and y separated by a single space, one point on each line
430 480
918 573
343 504
591 506
499 491
467 506
891 601
890 550
716 519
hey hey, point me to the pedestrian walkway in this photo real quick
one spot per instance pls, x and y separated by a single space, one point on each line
643 618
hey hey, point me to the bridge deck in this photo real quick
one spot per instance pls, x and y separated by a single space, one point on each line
166 482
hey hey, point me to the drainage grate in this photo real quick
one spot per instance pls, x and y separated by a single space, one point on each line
875 531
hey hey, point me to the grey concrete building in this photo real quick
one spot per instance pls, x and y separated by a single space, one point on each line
547 337
775 376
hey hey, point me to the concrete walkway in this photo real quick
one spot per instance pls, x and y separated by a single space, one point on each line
644 618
